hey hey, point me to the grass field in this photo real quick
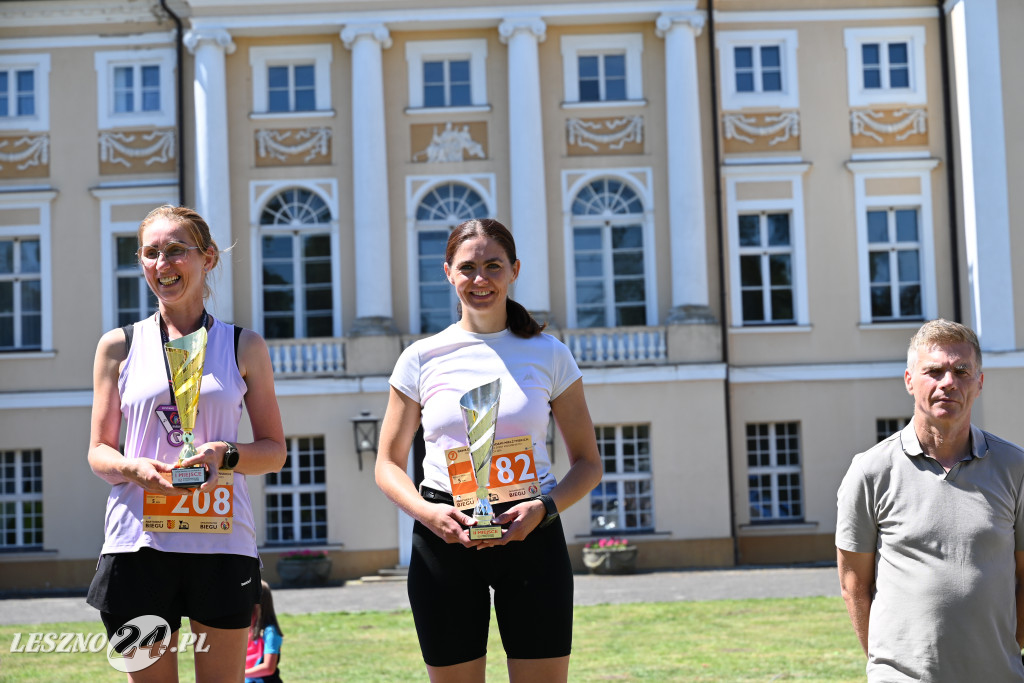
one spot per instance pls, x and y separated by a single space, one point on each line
799 639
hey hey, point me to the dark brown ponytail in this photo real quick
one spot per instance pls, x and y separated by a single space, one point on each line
518 319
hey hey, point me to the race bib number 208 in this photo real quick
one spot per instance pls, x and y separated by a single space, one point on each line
198 512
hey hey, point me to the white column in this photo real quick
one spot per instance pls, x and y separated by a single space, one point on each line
213 173
370 179
985 198
527 193
686 216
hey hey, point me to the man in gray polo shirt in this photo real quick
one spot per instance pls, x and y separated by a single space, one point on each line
930 531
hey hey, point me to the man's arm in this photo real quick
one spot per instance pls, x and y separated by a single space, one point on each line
1019 594
857 578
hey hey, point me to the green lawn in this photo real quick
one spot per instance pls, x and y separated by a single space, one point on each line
805 639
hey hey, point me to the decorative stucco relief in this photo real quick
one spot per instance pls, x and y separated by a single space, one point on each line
136 152
288 147
622 135
889 127
761 132
26 156
451 144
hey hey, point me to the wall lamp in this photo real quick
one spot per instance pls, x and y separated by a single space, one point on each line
364 426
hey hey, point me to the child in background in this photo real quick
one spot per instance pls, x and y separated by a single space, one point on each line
264 649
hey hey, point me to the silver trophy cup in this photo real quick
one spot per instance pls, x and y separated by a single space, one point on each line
480 411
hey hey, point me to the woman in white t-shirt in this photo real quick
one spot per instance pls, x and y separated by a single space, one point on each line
528 567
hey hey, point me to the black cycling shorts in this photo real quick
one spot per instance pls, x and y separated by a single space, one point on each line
451 602
216 590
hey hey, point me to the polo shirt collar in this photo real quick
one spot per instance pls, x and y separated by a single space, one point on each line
912 446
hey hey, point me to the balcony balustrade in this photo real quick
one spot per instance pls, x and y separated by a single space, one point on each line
591 347
311 357
609 346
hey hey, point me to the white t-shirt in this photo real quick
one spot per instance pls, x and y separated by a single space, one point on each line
436 371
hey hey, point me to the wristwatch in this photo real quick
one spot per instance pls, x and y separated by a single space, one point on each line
551 511
230 457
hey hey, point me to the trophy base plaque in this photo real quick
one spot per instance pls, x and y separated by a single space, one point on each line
189 477
484 532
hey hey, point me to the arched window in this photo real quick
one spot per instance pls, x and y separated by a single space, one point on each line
295 255
440 210
608 250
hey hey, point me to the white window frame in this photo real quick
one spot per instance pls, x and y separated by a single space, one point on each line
262 57
774 470
859 96
576 46
110 198
472 49
904 168
620 477
40 64
786 41
40 201
640 180
416 188
106 62
19 498
260 192
794 206
295 489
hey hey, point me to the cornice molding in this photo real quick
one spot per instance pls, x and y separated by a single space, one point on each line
75 12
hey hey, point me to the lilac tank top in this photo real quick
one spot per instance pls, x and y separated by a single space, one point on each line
146 405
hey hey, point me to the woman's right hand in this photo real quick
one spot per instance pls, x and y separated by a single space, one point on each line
449 524
148 473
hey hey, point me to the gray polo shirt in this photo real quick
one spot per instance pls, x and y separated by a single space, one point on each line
943 608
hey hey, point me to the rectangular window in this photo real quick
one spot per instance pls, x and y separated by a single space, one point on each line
624 500
773 472
134 299
603 68
446 83
297 495
758 68
886 65
602 78
766 268
291 79
136 89
21 310
446 73
297 286
291 88
21 499
887 426
610 282
894 259
17 92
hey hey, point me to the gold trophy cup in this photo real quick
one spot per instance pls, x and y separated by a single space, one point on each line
185 357
480 411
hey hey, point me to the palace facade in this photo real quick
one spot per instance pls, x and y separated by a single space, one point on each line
735 213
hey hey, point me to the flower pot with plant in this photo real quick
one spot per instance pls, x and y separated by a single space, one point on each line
610 556
304 567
